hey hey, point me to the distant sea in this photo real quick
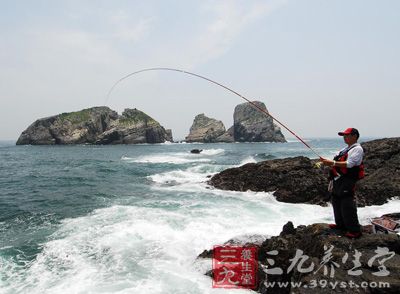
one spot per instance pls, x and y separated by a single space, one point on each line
133 218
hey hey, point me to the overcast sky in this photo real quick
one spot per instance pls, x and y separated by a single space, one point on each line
319 66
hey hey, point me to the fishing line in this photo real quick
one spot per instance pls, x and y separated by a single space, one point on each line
216 83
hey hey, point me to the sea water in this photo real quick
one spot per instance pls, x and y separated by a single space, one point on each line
133 218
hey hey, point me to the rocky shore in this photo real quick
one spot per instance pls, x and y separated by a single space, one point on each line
316 258
315 255
295 180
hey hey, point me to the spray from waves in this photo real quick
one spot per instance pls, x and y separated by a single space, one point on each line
138 249
163 159
196 176
265 156
178 177
297 141
212 152
193 177
128 248
175 158
249 159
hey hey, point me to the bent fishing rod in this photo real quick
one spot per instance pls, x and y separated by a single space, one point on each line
218 84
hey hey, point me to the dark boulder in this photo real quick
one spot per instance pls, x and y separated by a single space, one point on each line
196 151
293 180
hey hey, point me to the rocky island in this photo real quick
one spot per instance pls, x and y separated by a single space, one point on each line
96 125
102 125
249 125
205 129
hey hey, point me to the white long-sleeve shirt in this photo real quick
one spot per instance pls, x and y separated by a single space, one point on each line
355 155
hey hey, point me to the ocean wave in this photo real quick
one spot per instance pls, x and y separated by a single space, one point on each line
212 152
298 141
172 159
177 177
249 159
192 178
265 156
126 248
175 158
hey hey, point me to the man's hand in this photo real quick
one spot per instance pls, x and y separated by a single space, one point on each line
327 162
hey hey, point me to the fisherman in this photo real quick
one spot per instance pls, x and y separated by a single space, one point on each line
346 169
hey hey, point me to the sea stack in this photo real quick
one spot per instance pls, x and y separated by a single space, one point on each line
251 125
205 129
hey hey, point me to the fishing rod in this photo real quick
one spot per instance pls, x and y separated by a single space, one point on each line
218 84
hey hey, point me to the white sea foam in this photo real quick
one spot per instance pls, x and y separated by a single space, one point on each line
212 151
297 141
124 249
167 143
175 158
178 177
192 178
128 249
172 159
249 159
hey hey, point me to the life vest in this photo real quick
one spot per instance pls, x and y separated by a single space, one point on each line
355 172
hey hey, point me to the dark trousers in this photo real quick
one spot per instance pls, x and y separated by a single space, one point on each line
344 206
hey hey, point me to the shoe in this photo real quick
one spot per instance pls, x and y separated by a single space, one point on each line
335 227
353 235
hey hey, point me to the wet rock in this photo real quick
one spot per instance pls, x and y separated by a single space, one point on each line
293 180
288 229
196 151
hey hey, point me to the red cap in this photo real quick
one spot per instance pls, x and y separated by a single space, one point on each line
349 131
